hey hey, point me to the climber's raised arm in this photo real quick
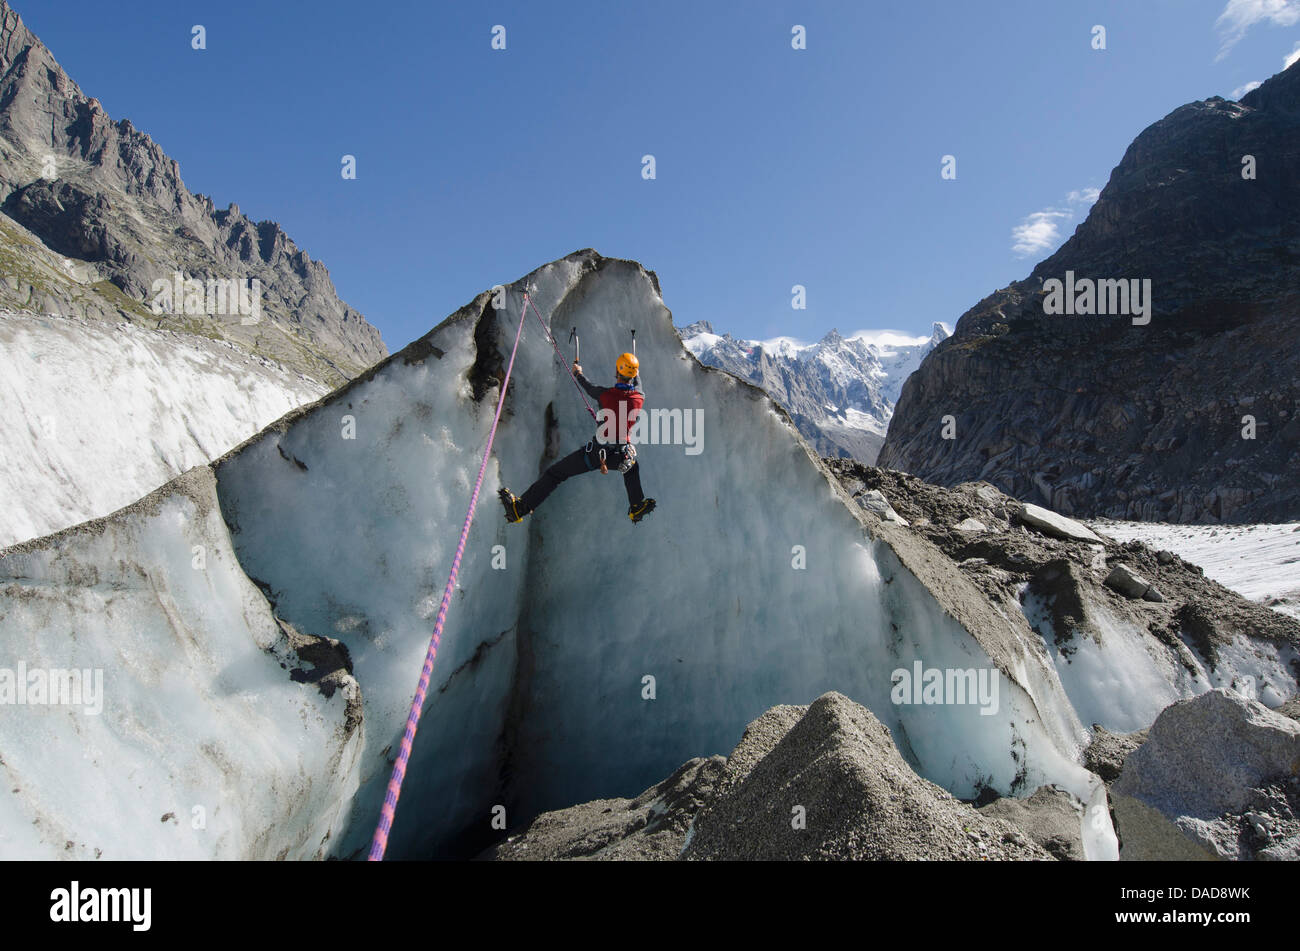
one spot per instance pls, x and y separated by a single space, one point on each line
592 389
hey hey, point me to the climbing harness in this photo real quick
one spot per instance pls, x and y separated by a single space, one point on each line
627 458
387 812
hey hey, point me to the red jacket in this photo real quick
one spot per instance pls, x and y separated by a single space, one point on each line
622 400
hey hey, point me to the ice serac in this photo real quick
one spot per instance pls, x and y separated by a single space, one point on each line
199 726
755 581
93 212
94 415
1193 416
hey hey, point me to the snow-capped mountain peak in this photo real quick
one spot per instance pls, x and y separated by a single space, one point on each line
840 390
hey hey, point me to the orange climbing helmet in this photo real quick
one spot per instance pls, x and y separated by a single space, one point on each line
628 366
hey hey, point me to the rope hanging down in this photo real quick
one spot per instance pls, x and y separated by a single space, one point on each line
389 809
528 301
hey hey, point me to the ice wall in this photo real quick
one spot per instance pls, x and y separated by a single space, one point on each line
203 739
1122 677
755 581
94 415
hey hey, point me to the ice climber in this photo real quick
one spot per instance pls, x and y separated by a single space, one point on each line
609 449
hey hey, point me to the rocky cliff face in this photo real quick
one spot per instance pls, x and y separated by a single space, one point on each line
94 212
1110 415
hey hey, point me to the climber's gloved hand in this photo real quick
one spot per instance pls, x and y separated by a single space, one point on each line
577 368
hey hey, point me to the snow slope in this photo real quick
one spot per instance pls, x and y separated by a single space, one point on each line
584 657
93 415
1260 562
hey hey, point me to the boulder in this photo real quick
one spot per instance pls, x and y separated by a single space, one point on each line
1216 778
1106 753
1051 816
1127 581
873 500
1058 526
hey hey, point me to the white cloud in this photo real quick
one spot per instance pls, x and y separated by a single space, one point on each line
1036 233
1041 230
1084 196
1240 15
1288 61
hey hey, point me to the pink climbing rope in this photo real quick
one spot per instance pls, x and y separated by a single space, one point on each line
389 809
529 302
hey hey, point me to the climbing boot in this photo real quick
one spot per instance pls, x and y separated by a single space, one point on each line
515 511
641 509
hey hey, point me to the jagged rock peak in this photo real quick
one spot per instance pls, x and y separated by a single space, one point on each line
105 197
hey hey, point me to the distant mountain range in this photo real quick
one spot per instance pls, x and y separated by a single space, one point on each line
840 391
93 213
1189 413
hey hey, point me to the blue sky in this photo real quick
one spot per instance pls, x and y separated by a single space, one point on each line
774 166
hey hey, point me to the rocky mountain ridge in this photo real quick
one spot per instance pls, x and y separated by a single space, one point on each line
93 212
1193 416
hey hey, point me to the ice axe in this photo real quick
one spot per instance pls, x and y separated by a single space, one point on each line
577 345
638 371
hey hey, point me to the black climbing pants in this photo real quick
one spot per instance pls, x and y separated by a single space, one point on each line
576 463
